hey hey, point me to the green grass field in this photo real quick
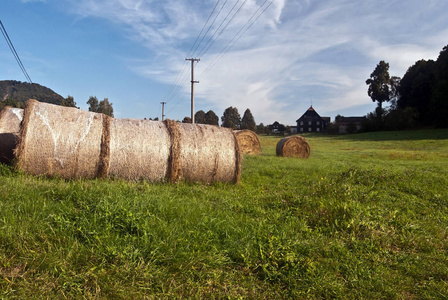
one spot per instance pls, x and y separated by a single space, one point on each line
365 217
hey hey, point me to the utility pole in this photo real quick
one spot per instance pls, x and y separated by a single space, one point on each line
163 110
192 86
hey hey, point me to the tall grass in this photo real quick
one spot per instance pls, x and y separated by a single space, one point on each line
366 216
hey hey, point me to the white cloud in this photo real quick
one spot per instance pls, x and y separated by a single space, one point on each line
296 52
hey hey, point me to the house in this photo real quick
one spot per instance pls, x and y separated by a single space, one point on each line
310 121
276 127
349 124
293 129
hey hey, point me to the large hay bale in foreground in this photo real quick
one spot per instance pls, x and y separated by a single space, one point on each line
248 142
60 141
139 149
207 153
294 146
71 143
10 120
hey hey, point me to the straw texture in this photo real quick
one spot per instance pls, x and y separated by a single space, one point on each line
248 142
295 146
139 149
209 153
71 143
59 141
10 120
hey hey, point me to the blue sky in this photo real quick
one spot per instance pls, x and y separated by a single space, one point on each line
294 54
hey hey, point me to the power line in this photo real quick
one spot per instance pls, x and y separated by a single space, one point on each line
181 75
14 52
210 27
177 86
212 40
236 38
203 27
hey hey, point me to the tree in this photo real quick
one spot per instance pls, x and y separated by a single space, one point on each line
231 118
93 104
416 89
106 108
395 82
261 129
379 85
199 117
186 120
248 122
69 101
211 118
439 99
11 103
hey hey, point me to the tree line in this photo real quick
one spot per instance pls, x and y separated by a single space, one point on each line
230 119
419 99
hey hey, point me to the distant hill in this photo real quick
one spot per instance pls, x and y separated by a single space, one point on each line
22 91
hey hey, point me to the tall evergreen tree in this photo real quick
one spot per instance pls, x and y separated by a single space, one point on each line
199 117
211 118
248 122
231 118
379 85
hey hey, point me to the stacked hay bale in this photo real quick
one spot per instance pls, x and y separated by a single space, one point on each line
71 143
10 120
139 149
294 146
60 141
248 142
208 153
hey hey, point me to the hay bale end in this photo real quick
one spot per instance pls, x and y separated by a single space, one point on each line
10 120
248 142
294 146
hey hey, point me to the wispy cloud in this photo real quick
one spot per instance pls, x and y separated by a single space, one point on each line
296 52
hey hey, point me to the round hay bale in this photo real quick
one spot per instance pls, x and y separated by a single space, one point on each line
294 146
207 153
60 141
10 120
248 142
71 143
139 149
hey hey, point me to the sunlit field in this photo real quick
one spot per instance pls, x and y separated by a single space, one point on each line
365 217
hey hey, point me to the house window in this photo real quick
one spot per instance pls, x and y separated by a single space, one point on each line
301 129
317 123
317 129
309 122
301 122
309 128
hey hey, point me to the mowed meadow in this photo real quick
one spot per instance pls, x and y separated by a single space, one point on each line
365 217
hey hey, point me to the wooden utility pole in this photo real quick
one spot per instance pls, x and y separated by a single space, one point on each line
163 110
192 86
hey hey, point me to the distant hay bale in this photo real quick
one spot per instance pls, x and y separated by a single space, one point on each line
139 149
248 142
208 153
61 141
10 120
294 146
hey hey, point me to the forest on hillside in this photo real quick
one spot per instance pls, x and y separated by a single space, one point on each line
17 93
